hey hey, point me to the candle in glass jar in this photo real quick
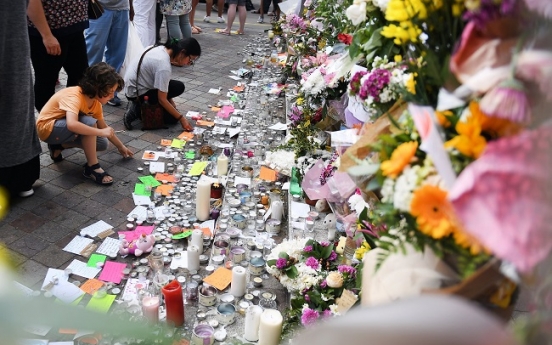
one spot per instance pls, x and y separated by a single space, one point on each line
237 287
252 322
193 258
203 198
150 308
270 327
174 302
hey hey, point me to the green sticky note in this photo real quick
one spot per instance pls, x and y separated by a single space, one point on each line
181 235
198 168
101 305
94 259
234 99
149 181
177 143
190 154
140 189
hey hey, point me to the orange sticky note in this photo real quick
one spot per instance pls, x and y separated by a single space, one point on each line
220 279
205 123
166 142
164 189
68 330
206 232
238 88
91 286
215 108
165 177
148 155
267 174
186 136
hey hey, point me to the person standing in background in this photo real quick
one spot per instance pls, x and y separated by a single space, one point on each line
144 21
158 22
109 34
209 8
195 29
178 22
56 35
242 15
20 163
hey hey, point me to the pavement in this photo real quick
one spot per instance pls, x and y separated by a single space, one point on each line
37 228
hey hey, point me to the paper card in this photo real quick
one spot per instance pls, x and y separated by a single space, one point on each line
177 143
225 112
181 262
198 168
79 245
238 88
94 259
215 108
157 167
165 189
53 275
233 131
133 285
242 180
345 137
191 114
220 279
80 268
205 123
38 330
22 288
140 189
209 224
164 177
234 77
189 154
218 130
151 155
101 305
66 292
267 174
278 127
214 91
298 225
110 247
222 122
166 142
95 229
186 136
299 209
91 286
140 211
112 272
159 211
346 301
149 180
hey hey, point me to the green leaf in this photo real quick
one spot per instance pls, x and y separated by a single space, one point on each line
292 272
271 263
326 251
283 255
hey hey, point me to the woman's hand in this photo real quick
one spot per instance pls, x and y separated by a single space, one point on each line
125 152
185 124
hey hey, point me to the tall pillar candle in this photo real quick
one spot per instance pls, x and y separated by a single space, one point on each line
150 308
174 302
197 239
222 165
252 322
237 286
203 200
193 258
270 327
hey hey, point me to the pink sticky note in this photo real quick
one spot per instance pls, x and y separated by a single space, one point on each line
112 272
225 111
132 235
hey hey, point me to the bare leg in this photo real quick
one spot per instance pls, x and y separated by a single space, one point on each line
89 146
220 7
242 14
195 29
208 7
231 15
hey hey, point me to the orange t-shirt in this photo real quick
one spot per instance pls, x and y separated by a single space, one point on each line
65 100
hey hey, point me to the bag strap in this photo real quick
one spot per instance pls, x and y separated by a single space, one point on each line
138 71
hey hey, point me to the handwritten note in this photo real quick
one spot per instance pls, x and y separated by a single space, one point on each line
242 180
95 229
132 287
81 269
267 174
166 142
91 286
141 200
220 279
102 304
94 259
299 209
151 155
78 245
165 189
205 123
109 247
149 180
141 189
177 143
186 136
164 177
140 212
157 167
346 301
112 272
198 168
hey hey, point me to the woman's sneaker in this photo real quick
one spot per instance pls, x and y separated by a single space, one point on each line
260 20
26 193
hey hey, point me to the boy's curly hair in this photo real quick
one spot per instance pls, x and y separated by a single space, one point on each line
99 79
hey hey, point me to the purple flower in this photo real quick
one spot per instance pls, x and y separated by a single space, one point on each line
489 10
323 285
507 101
374 84
324 243
332 256
281 263
307 298
312 263
327 313
296 115
347 269
307 249
309 316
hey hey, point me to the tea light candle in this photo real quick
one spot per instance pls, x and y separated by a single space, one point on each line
150 308
203 199
252 323
193 258
270 327
237 287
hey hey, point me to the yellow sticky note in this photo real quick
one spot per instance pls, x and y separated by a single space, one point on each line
101 305
177 143
198 168
220 279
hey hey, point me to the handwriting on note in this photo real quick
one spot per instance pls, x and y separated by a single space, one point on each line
346 301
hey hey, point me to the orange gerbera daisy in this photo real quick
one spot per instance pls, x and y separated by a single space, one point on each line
400 158
495 127
432 211
442 118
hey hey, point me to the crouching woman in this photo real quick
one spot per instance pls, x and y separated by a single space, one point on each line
73 117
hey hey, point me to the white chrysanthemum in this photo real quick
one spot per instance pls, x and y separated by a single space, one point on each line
405 185
333 309
314 83
356 13
357 203
382 4
280 160
305 280
388 190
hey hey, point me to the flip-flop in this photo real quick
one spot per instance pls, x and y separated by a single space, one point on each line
240 33
195 31
224 33
198 28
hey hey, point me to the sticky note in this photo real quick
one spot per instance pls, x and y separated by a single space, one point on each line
101 305
112 272
220 279
190 154
165 177
149 181
238 88
205 123
177 143
198 168
187 136
91 286
164 189
206 232
215 108
149 155
94 259
267 174
182 235
166 142
140 189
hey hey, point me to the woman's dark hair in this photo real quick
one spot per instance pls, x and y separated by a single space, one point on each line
99 79
187 46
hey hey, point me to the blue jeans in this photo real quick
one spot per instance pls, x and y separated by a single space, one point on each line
108 34
179 26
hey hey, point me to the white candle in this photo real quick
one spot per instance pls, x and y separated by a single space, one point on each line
237 287
222 165
331 233
252 321
193 258
150 308
270 327
203 199
197 239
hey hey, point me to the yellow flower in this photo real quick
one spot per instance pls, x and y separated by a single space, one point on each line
411 84
299 101
458 8
463 239
469 140
493 126
400 158
432 211
398 58
442 118
4 201
322 44
406 32
404 10
473 5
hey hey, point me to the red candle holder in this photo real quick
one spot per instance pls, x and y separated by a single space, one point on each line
174 303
